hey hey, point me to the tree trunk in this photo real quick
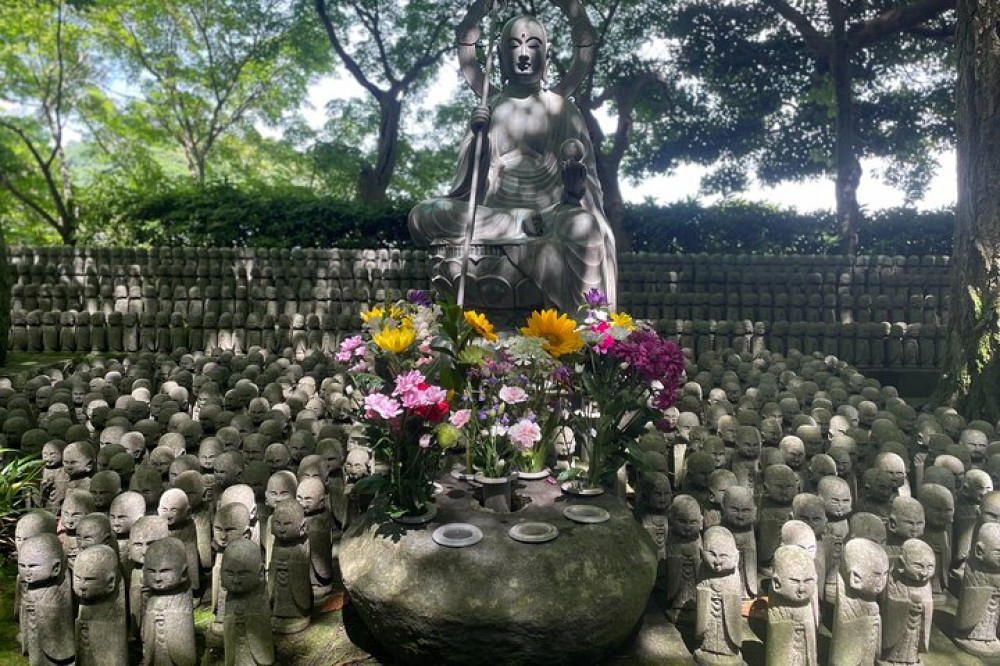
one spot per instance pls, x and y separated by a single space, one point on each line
845 154
971 372
614 205
373 182
4 298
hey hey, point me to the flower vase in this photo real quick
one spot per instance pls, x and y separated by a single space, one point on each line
497 492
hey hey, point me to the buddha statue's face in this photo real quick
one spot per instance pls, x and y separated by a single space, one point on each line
836 500
939 511
907 521
38 563
524 51
91 582
164 573
92 533
174 507
240 574
795 580
738 510
720 555
918 566
287 524
813 515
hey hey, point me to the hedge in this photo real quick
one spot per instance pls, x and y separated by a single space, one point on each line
225 216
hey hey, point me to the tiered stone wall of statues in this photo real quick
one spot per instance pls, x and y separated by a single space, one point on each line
872 311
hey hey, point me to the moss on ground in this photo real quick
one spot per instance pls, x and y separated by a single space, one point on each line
10 652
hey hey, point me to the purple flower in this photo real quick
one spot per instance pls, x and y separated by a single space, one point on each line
648 357
419 297
596 298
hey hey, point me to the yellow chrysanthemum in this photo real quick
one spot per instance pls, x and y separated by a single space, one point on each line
395 340
623 320
481 325
396 312
377 311
558 330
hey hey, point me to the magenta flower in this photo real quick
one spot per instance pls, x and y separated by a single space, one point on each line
381 404
525 433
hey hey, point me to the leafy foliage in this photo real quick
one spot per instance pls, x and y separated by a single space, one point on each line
741 227
226 216
18 479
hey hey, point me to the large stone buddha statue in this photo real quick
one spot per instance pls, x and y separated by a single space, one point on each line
540 236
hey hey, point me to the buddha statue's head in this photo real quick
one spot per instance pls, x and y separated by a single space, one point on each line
524 51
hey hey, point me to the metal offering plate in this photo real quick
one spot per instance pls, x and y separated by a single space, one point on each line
533 532
586 513
574 488
457 535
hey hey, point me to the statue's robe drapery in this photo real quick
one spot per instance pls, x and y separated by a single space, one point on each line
791 636
247 630
168 630
567 249
908 613
857 630
718 625
978 605
46 616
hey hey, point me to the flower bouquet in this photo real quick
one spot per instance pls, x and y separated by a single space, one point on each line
398 382
428 375
627 375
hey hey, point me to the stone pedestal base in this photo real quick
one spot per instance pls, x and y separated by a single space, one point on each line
572 600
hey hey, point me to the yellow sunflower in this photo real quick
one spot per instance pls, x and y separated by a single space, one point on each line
377 311
623 320
395 340
558 330
480 324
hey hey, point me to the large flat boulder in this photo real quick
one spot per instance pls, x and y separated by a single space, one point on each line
572 600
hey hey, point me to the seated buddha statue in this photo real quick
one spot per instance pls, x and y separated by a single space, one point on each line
539 199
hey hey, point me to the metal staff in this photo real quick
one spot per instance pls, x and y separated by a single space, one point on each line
496 6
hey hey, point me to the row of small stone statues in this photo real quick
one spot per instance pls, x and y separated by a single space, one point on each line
796 478
39 331
865 345
250 524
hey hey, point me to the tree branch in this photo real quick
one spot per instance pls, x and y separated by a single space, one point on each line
817 43
892 21
30 203
349 62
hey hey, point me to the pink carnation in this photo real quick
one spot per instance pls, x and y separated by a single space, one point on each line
461 417
423 395
407 382
381 404
353 346
524 433
425 441
513 394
